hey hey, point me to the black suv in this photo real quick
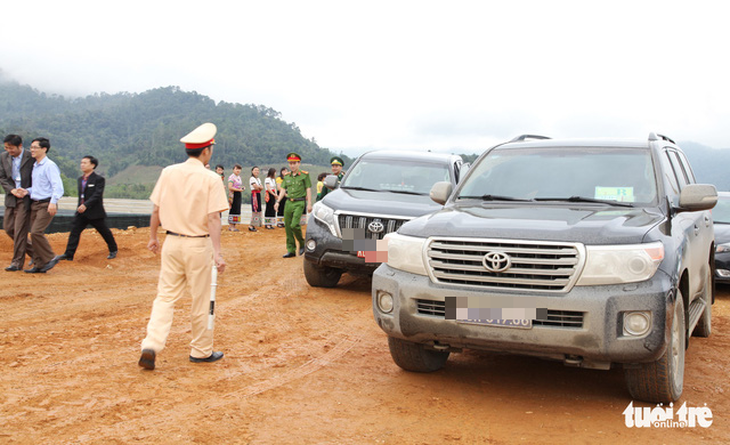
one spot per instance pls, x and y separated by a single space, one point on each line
380 192
592 252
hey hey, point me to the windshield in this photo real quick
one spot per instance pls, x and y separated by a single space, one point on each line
721 211
398 176
603 174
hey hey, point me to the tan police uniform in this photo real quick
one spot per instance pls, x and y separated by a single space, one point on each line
186 194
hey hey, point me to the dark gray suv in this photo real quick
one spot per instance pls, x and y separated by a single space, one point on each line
380 192
591 252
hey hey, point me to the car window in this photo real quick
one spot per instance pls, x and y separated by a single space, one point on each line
669 175
612 174
686 167
396 175
679 170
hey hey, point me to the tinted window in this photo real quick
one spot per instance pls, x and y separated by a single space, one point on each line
396 175
669 175
687 168
616 174
682 176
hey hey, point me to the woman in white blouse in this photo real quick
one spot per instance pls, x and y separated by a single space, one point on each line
256 188
270 198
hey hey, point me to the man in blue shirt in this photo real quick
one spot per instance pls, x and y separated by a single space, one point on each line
45 191
16 167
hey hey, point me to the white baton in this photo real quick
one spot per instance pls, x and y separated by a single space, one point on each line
213 285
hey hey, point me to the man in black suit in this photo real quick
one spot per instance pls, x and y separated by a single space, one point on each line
16 169
90 210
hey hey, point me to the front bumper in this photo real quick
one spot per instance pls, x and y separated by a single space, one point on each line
597 342
722 267
328 251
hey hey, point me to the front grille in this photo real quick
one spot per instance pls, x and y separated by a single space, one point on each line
362 222
535 266
554 318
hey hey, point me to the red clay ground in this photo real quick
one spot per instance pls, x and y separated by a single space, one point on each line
302 365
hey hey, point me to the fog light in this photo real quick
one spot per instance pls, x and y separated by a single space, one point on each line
723 273
637 324
311 245
385 302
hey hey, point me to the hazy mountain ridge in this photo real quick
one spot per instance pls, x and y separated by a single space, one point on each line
126 130
144 129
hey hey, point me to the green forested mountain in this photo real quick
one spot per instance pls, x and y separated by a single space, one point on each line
126 130
134 135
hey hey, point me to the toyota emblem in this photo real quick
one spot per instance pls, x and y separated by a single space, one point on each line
376 226
496 261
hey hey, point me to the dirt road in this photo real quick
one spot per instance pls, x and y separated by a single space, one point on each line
302 365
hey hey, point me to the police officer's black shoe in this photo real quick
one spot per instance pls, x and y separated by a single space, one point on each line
214 357
289 255
147 360
112 255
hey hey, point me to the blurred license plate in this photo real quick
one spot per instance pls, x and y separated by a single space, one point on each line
361 254
506 323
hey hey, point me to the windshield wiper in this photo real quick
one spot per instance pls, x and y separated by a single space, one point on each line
585 199
361 188
406 192
495 198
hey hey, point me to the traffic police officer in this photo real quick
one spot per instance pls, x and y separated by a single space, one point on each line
296 188
337 164
187 200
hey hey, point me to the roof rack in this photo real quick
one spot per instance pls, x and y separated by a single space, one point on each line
656 136
524 137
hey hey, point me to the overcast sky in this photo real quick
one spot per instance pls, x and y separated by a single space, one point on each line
455 76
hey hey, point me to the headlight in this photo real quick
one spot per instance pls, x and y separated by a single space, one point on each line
325 215
621 264
406 253
725 247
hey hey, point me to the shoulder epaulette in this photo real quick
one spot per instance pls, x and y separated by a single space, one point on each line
305 172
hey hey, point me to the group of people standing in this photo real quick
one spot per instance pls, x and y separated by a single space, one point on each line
263 197
188 201
33 187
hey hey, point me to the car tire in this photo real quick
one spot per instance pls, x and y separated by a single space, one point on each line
704 325
415 357
662 381
321 276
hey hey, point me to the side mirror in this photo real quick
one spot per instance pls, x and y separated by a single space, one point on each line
695 197
330 181
441 191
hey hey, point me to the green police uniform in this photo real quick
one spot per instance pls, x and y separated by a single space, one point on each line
336 160
325 190
296 186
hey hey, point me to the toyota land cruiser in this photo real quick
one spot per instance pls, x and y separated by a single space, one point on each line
592 252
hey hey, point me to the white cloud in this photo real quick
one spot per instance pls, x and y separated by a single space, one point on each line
450 76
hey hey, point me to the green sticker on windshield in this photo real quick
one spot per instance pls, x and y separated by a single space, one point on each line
621 194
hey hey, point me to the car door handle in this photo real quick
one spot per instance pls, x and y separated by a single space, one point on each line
697 229
708 221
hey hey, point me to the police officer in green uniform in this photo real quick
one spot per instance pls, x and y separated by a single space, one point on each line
297 189
337 164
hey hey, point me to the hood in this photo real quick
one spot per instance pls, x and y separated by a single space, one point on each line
383 203
584 224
